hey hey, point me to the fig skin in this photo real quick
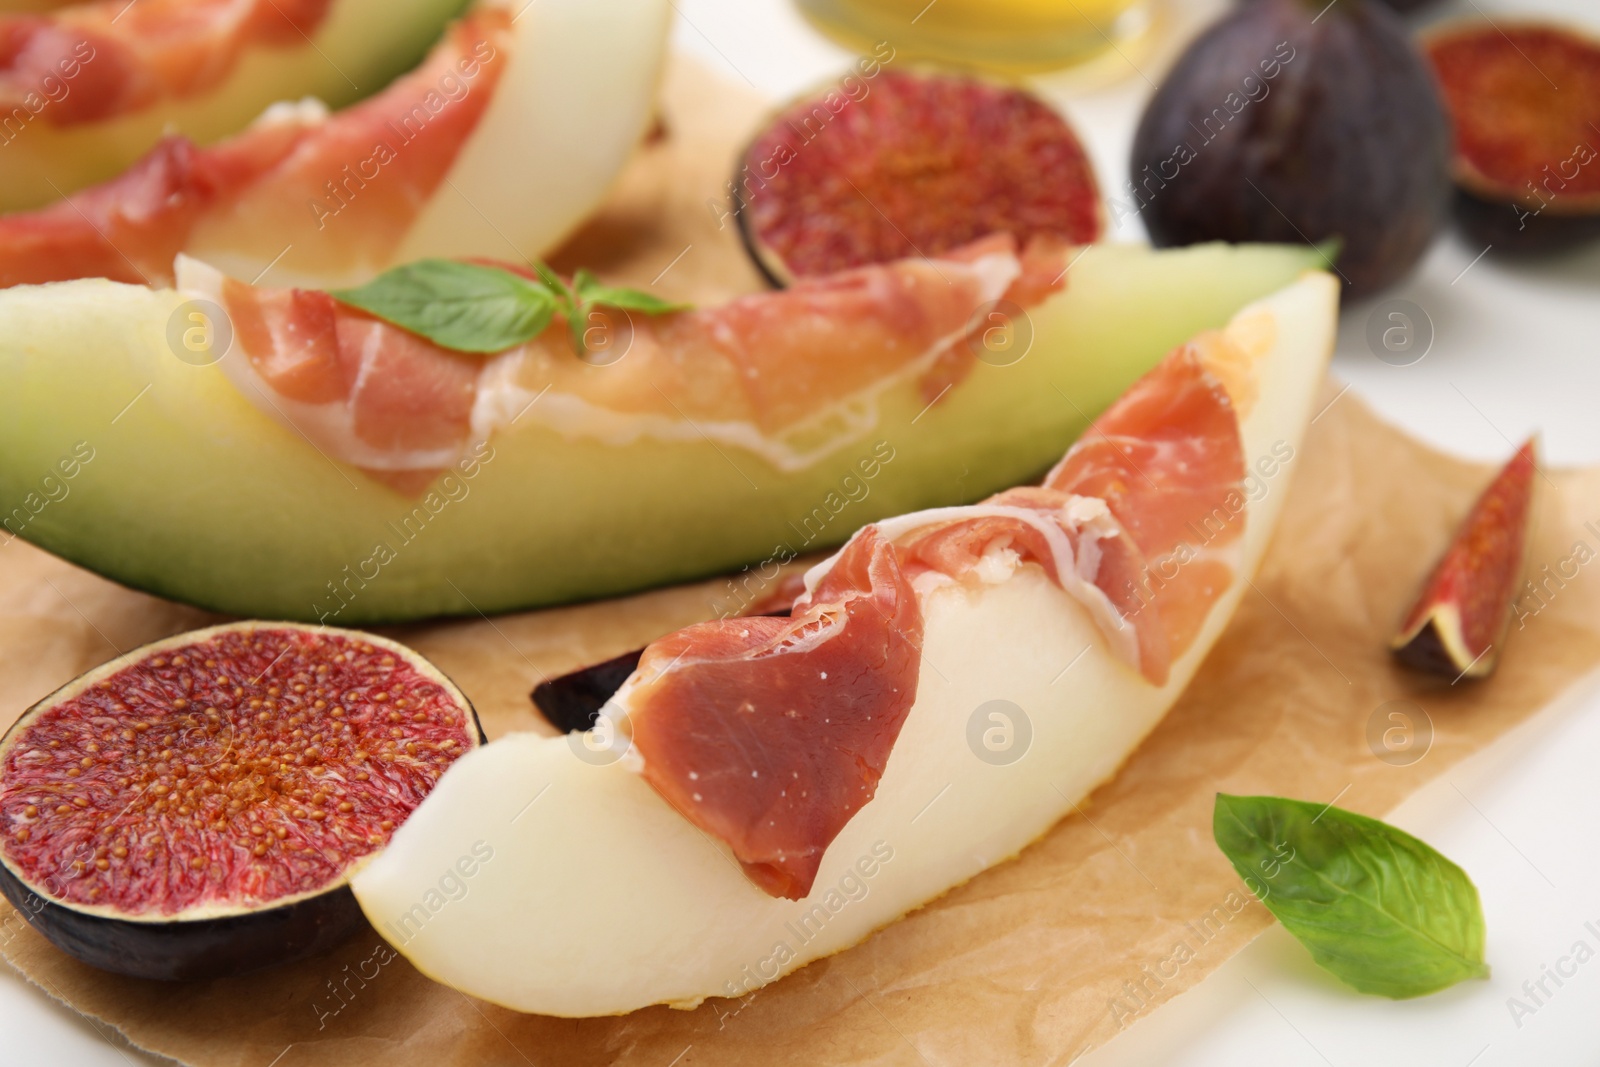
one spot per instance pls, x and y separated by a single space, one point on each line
187 950
1505 225
1280 124
573 701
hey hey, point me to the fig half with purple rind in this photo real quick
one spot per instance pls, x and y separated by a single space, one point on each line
1457 623
194 808
910 163
1298 121
1524 98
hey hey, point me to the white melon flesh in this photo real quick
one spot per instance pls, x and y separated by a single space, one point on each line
568 109
565 119
598 898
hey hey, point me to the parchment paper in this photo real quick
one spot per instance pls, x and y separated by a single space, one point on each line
1033 961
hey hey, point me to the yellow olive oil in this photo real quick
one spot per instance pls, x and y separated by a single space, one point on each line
1009 35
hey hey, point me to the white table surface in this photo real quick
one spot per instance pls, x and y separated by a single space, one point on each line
1515 350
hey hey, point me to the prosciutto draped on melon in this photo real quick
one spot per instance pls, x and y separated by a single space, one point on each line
742 731
755 371
764 792
466 155
143 53
86 88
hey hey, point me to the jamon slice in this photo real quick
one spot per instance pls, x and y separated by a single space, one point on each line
748 371
745 711
456 158
1165 464
130 228
88 88
771 733
139 53
1165 457
1020 710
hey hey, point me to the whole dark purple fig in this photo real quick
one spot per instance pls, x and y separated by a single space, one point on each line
1299 121
1408 6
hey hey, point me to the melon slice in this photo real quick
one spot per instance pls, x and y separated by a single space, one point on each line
681 919
200 492
88 88
464 156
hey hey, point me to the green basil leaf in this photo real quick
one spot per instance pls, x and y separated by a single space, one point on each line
1380 909
590 291
467 307
556 285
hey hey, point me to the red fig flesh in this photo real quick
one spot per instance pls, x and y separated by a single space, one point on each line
1524 99
193 809
1457 623
910 163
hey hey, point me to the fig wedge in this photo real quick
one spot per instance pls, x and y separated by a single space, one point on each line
1455 627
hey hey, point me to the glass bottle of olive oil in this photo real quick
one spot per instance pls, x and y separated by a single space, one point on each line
1007 35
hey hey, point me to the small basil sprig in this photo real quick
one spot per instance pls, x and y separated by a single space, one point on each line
1386 913
475 307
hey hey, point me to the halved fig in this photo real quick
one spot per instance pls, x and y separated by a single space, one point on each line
909 163
195 808
1455 627
1525 102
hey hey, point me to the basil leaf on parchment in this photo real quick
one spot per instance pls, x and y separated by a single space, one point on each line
1383 911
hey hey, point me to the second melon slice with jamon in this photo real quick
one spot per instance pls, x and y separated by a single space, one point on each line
953 682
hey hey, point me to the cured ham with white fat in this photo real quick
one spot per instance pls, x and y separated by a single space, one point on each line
771 733
754 371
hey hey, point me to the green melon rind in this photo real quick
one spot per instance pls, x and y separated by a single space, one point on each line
193 494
